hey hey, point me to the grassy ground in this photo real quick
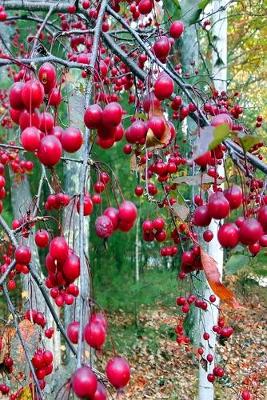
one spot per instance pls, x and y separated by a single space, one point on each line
161 369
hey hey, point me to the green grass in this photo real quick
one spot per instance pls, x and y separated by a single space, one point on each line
118 291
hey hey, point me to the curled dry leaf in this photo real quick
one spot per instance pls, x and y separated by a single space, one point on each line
133 163
6 337
213 277
151 140
30 334
180 210
196 180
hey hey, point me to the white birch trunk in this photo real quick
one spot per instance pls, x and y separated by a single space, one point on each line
72 172
21 190
210 317
137 250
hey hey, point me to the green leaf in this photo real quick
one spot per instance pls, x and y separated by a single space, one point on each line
203 3
219 134
173 7
248 141
209 138
235 263
196 14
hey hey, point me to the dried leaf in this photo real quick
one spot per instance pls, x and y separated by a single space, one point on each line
196 180
214 279
151 140
30 334
180 210
7 336
133 163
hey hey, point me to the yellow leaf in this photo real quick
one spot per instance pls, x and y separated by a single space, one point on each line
26 394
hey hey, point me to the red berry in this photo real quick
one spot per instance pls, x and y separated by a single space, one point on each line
145 6
112 115
32 94
95 334
103 226
203 160
50 151
218 206
113 214
84 383
15 96
127 212
30 138
71 268
46 122
163 87
211 378
73 331
58 249
250 231
234 196
23 255
245 394
118 372
207 235
162 47
47 76
201 216
228 235
176 29
71 139
93 116
101 393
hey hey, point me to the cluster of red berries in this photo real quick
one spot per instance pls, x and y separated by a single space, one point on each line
107 122
39 133
43 364
94 333
154 230
57 201
122 218
37 317
84 382
63 267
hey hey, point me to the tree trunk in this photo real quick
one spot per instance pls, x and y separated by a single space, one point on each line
72 172
137 250
190 57
21 190
210 317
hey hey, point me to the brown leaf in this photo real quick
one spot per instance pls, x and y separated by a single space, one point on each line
7 336
214 279
133 163
151 140
180 210
30 334
196 180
